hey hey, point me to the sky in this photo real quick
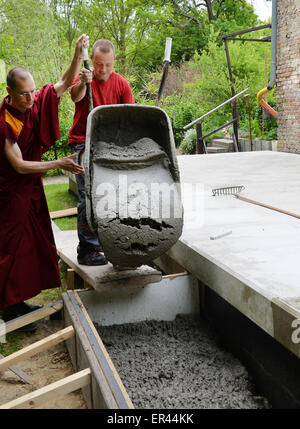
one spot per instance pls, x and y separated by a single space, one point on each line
262 8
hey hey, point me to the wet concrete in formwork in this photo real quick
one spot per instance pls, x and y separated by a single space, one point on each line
178 365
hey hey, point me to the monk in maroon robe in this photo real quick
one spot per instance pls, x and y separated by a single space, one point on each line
28 127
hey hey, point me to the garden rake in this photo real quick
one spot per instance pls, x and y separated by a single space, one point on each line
235 190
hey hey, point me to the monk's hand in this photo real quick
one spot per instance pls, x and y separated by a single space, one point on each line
68 164
86 76
82 39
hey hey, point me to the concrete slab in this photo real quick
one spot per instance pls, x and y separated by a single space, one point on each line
256 268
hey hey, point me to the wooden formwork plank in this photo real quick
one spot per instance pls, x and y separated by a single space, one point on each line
70 278
99 343
102 396
71 342
52 391
36 347
64 213
174 276
39 314
83 362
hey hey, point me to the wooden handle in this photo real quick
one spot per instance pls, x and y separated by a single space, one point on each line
88 88
267 206
85 57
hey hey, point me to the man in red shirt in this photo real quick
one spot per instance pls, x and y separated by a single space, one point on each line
108 87
28 127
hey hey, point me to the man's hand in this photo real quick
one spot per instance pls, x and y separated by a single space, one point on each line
68 164
83 39
72 71
86 76
15 158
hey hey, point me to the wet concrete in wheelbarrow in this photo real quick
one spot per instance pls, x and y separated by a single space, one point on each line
178 365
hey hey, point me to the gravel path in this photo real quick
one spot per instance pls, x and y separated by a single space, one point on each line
167 365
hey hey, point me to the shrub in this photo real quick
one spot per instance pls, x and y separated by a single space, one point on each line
65 122
208 86
188 144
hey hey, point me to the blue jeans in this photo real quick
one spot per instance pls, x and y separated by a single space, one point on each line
87 239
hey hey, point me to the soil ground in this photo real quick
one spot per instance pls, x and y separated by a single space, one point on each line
44 368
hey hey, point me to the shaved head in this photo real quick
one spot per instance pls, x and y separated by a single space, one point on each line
17 73
104 46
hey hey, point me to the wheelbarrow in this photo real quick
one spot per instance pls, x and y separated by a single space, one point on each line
133 195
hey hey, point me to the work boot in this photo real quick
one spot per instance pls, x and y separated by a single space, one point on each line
18 310
91 257
28 308
99 248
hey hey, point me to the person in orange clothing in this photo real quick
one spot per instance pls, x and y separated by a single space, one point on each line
29 126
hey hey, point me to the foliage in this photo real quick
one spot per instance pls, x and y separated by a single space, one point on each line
36 42
181 113
139 29
61 147
13 343
188 144
211 87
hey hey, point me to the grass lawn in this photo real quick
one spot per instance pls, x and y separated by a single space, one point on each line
59 198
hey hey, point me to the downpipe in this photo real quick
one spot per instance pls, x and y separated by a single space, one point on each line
271 84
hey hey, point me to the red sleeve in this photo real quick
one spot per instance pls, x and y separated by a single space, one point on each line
6 132
47 104
127 96
2 141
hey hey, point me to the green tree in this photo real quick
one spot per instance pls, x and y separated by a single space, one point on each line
126 23
32 29
68 15
211 86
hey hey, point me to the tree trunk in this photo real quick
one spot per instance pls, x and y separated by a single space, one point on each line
122 39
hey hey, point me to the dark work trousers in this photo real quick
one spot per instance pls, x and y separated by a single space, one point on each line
87 239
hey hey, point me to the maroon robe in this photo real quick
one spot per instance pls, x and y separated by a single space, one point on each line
28 258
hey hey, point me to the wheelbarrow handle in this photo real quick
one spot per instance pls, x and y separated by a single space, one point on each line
86 64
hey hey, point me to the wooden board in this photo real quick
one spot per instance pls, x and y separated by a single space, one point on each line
100 395
39 314
101 277
52 391
107 389
103 350
64 213
36 347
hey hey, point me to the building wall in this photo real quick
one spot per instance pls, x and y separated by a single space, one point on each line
288 75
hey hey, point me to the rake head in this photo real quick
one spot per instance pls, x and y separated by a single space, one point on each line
229 190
